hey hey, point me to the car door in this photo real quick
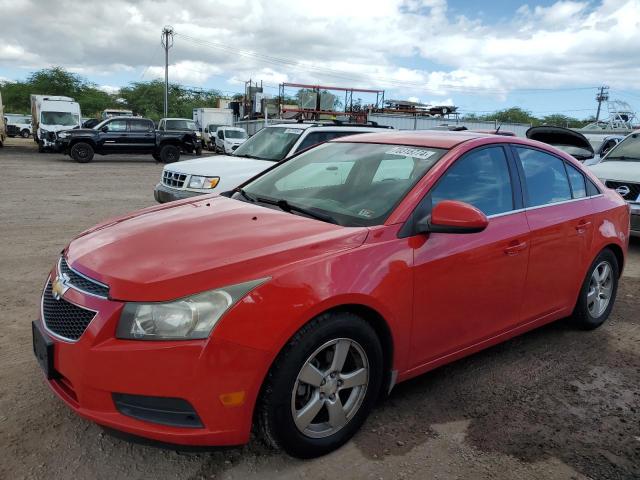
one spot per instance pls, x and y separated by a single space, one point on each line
114 140
142 135
469 287
559 214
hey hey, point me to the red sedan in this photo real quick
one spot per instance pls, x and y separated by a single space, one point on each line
292 303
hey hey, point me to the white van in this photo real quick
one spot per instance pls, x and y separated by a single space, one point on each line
229 138
3 131
51 114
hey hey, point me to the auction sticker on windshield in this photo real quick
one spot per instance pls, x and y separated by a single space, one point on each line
410 152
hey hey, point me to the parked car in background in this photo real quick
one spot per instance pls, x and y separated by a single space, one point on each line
123 135
268 146
18 125
620 171
603 148
228 139
51 114
295 301
570 141
3 124
192 137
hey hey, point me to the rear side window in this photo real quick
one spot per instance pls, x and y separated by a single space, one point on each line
140 126
480 178
545 177
576 179
592 189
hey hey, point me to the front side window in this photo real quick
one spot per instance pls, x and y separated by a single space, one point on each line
480 178
271 143
117 126
545 177
355 184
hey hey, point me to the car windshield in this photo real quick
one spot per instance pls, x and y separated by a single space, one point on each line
627 150
235 134
181 125
271 143
351 184
67 119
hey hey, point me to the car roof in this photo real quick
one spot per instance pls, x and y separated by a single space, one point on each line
418 138
330 126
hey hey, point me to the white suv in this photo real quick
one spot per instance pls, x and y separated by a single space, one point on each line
620 170
225 172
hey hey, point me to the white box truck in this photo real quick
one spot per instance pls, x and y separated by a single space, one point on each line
208 120
51 114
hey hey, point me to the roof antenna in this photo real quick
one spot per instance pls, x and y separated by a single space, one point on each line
498 129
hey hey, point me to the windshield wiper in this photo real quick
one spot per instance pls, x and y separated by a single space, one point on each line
287 207
622 157
242 192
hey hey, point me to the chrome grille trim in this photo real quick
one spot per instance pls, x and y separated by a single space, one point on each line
81 282
173 179
45 290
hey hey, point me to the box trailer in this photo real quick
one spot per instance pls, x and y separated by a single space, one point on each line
51 114
208 120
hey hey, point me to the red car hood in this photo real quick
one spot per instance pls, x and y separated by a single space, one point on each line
179 249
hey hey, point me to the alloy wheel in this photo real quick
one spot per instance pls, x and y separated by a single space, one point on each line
330 388
600 289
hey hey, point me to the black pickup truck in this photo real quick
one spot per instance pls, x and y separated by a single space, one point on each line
125 135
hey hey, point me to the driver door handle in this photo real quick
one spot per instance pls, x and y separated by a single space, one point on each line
515 247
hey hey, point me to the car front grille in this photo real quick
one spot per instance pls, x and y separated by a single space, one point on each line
81 282
173 179
634 189
63 318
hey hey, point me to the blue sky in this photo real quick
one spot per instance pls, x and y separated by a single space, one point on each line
545 56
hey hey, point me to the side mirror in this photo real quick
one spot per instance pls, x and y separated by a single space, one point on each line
450 216
104 129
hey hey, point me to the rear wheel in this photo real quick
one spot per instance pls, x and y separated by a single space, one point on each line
322 386
169 154
82 152
24 133
598 292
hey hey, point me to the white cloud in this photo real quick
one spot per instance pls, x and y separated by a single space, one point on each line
360 43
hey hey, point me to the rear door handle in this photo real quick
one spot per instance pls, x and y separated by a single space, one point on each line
583 226
515 247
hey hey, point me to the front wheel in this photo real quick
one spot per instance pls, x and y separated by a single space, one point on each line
322 386
169 154
598 292
24 133
82 152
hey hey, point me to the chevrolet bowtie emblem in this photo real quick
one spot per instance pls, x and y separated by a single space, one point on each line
59 286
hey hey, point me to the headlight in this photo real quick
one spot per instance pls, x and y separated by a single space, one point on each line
63 135
203 182
184 319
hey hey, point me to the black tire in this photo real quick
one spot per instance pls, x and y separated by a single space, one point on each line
274 416
25 133
40 147
210 148
82 152
198 151
583 316
156 157
169 154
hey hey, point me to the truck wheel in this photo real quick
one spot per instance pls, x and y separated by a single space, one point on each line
169 154
24 133
82 152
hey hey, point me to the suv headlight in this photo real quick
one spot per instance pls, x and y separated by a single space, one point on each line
203 182
63 135
184 319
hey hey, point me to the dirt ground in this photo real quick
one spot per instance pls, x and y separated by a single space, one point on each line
554 403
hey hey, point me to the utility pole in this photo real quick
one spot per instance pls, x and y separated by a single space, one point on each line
167 43
602 96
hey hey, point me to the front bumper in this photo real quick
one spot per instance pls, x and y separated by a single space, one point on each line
92 374
164 194
635 219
